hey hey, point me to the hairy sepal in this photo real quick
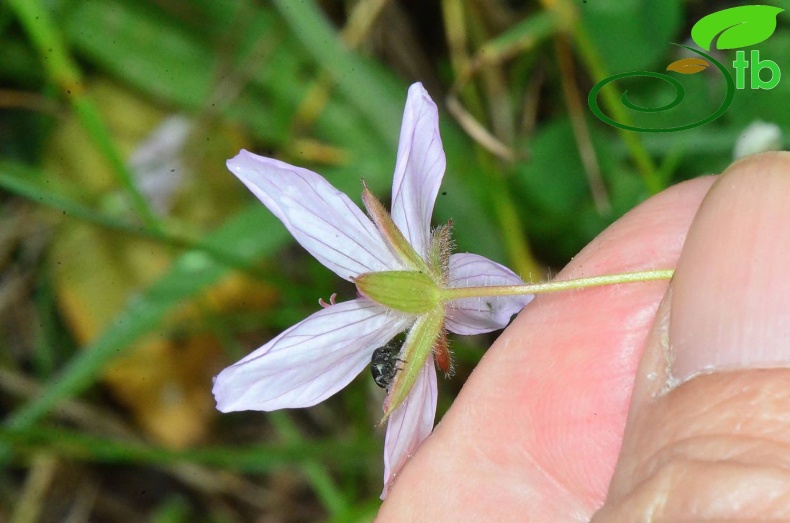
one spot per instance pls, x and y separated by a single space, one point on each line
406 291
418 346
439 251
442 354
394 238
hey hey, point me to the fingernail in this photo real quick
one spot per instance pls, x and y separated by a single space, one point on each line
731 290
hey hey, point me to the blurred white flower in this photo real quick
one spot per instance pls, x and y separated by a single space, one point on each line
156 162
758 137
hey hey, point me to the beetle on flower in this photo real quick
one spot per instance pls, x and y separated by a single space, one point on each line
402 271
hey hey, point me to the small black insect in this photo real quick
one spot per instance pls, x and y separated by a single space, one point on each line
384 364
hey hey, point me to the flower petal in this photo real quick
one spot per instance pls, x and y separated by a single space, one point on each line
477 315
419 168
310 361
410 424
321 218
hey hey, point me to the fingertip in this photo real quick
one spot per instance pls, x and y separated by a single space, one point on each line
731 294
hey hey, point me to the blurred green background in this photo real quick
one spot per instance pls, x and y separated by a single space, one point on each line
134 266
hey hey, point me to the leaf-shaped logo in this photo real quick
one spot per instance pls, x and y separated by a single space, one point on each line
688 65
739 26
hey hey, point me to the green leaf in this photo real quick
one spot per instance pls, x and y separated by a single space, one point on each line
191 273
630 35
29 182
378 98
81 446
555 198
362 117
739 26
355 77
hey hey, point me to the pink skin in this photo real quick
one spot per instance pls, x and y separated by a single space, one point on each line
536 431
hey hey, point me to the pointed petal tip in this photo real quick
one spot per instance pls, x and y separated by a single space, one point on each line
226 397
241 156
321 218
419 167
223 400
309 362
409 425
418 96
417 88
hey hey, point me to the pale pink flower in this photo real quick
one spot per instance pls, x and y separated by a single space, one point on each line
319 356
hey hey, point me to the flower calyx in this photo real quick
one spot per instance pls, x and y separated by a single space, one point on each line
393 237
417 289
405 291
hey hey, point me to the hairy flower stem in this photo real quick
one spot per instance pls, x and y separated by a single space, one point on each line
564 285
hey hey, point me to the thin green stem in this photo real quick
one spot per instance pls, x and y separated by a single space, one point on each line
633 143
554 286
331 496
15 178
65 74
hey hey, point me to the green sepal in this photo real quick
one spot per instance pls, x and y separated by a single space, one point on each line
398 243
406 291
416 349
439 251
